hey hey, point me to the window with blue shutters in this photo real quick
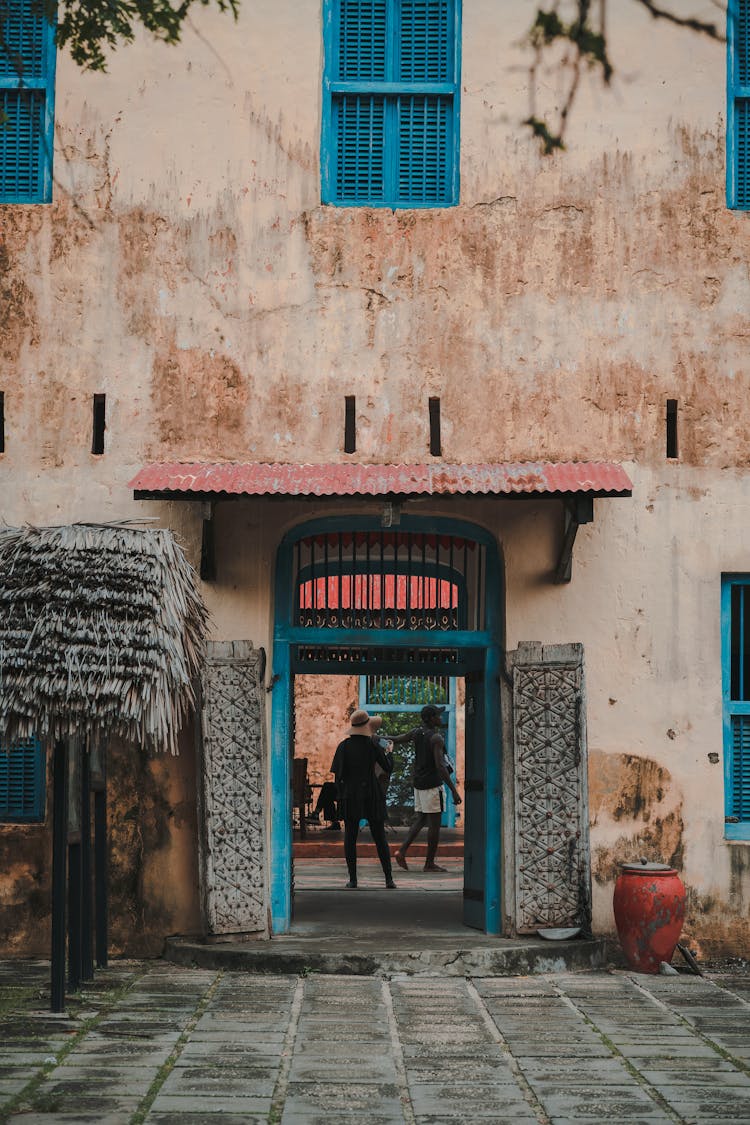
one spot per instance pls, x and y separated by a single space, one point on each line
27 103
735 615
22 781
738 104
389 134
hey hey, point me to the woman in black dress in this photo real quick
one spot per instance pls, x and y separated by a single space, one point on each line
361 796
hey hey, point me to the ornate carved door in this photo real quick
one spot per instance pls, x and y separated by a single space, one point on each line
552 862
232 809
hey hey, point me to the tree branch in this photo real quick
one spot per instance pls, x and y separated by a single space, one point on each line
590 47
691 22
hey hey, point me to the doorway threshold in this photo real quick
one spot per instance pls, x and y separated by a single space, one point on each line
373 931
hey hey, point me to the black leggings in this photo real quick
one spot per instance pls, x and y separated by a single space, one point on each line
351 832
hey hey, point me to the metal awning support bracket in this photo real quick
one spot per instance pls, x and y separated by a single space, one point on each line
578 510
208 544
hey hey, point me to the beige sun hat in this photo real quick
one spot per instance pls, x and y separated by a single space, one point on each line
359 723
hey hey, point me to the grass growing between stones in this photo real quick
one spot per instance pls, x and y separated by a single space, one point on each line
169 1064
17 1000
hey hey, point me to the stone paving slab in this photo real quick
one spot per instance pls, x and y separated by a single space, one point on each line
514 1116
588 1106
78 1117
303 1103
68 1081
224 1117
169 1045
313 1067
210 1103
313 1117
203 1081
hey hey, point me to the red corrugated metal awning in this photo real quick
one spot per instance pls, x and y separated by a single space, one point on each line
180 481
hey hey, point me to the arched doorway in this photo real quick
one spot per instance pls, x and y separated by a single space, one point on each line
421 598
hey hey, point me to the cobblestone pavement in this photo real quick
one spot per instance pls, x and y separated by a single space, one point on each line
156 1043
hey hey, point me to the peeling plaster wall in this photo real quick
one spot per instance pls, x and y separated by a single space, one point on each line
187 270
153 863
322 706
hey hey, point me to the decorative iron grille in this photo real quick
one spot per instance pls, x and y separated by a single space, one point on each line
358 655
390 580
406 691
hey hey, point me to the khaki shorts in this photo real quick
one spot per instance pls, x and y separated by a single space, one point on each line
429 800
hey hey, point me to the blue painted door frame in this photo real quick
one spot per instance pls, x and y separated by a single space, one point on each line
474 650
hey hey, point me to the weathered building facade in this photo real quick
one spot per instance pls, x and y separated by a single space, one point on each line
188 283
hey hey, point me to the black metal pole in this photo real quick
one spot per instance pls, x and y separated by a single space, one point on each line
87 959
100 865
74 915
74 866
59 859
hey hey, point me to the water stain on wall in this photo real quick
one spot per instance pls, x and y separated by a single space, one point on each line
17 304
152 875
26 864
713 930
640 798
199 400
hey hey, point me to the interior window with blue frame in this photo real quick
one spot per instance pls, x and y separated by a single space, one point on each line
735 594
23 781
390 128
27 103
738 104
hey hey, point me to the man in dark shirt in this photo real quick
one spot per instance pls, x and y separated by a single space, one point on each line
361 796
430 774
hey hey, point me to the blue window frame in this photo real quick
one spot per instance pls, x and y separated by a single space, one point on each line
23 781
391 83
27 104
738 104
735 621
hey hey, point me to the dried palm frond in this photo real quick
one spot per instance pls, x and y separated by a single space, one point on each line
102 630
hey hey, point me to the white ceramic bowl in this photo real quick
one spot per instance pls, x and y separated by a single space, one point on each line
560 933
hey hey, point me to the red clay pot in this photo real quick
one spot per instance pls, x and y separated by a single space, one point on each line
649 907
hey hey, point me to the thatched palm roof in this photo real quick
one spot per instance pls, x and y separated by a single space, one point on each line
102 630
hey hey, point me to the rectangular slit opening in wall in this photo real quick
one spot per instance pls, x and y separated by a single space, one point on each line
2 422
350 435
672 427
99 424
435 446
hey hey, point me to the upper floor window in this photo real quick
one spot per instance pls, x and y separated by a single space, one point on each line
738 104
390 103
22 781
735 617
27 103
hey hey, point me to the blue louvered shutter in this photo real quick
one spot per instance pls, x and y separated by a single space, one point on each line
738 92
21 145
424 121
362 40
360 137
742 153
22 781
424 127
740 801
387 138
26 105
425 50
735 628
359 118
23 38
742 43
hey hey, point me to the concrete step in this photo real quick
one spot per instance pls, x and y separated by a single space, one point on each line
472 958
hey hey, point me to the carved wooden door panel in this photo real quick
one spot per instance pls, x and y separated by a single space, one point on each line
233 867
552 861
